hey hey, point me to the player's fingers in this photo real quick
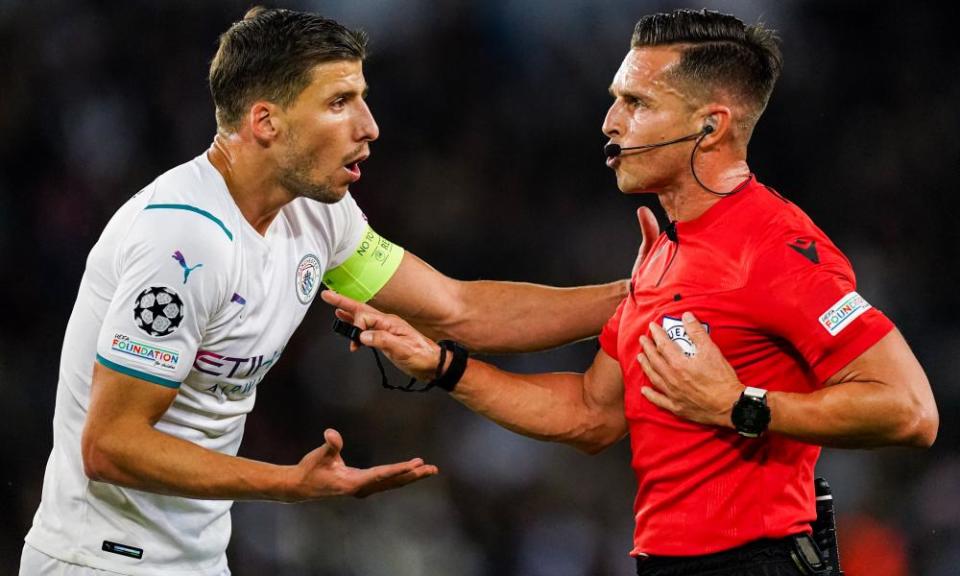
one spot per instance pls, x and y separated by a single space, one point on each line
649 229
333 444
370 319
390 476
343 315
346 303
341 301
391 344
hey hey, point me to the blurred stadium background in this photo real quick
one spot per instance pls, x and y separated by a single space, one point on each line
489 165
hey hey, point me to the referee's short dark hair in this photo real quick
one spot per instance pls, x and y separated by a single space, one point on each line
270 55
718 53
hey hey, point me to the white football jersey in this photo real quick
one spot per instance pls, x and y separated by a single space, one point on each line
180 291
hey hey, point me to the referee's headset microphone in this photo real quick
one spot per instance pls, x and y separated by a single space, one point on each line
612 150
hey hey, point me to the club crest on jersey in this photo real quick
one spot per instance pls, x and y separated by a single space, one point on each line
158 311
678 333
308 278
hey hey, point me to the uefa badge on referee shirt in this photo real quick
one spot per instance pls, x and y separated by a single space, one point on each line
678 333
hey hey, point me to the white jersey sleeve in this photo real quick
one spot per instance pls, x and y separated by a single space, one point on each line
173 273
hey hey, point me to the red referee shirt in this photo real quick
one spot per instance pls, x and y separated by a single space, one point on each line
779 300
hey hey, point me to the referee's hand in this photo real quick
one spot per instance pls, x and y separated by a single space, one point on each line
323 473
701 388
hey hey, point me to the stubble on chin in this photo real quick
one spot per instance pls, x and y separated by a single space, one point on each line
300 186
295 178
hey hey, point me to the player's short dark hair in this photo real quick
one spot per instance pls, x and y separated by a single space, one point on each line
270 55
718 52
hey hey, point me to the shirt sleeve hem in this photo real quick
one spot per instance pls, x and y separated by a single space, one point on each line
138 374
832 364
608 343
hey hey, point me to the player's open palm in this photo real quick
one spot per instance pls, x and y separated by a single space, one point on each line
323 473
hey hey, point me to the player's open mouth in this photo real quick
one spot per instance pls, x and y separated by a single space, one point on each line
353 167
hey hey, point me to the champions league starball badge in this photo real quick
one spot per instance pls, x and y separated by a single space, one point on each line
158 311
308 278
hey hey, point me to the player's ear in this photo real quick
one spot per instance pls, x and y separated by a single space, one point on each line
263 121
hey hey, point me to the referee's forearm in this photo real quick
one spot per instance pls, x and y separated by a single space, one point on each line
850 415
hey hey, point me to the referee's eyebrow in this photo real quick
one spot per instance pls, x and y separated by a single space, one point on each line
627 94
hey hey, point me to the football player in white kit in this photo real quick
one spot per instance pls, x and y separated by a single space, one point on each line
195 287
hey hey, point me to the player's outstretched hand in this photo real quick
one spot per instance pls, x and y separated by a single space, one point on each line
323 473
412 352
649 230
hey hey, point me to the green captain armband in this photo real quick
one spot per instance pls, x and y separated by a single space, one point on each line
364 273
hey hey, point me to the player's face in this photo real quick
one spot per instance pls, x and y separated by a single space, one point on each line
327 131
647 109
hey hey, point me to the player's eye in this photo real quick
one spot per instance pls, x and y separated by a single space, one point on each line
339 103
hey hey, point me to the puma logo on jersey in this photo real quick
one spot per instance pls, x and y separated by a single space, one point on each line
183 264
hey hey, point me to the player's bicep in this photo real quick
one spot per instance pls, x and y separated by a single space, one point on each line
121 407
117 396
420 294
603 394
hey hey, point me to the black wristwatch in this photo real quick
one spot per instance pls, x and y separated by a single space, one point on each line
751 415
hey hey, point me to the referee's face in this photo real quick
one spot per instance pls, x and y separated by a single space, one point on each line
326 133
648 108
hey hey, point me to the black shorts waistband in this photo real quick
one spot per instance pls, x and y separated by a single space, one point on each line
758 552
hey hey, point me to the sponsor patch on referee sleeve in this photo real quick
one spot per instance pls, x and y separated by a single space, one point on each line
845 311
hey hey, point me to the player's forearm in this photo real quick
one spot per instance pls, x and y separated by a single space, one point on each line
547 407
520 317
853 415
147 459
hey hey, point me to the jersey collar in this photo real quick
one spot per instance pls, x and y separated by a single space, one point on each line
725 206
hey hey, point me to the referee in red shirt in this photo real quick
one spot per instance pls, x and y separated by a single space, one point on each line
743 345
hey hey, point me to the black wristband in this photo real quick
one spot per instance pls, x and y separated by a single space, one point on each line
458 365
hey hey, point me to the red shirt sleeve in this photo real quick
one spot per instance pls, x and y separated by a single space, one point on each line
816 308
611 332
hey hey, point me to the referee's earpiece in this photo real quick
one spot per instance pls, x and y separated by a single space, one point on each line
709 125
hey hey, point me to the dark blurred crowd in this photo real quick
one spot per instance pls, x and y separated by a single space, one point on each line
489 165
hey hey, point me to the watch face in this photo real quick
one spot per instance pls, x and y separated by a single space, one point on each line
750 416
